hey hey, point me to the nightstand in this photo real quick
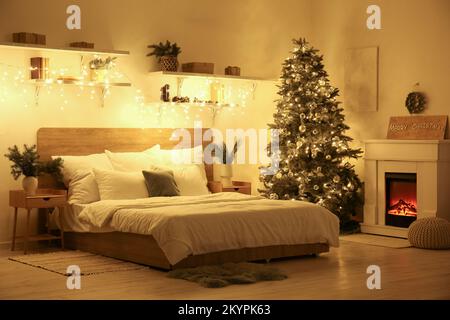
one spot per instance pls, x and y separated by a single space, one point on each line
43 199
238 186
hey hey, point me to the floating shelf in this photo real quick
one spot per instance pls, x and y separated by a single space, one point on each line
207 76
42 48
195 104
43 82
103 86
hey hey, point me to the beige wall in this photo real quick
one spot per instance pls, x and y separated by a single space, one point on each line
254 34
413 47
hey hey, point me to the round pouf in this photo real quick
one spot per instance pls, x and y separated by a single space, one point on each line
430 233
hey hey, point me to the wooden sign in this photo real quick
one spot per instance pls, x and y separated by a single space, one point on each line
417 128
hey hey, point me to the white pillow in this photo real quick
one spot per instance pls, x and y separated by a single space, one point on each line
191 178
78 176
83 189
116 185
180 156
133 161
73 165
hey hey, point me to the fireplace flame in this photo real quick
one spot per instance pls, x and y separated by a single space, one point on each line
403 208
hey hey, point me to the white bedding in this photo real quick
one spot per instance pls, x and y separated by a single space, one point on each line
209 223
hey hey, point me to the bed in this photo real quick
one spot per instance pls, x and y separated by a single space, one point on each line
185 231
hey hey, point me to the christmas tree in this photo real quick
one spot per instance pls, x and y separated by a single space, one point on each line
313 149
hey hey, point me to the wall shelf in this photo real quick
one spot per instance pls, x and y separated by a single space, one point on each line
103 86
207 76
42 48
44 82
213 107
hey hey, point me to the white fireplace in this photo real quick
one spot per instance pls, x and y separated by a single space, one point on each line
405 180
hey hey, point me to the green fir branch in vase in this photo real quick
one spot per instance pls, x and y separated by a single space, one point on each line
26 163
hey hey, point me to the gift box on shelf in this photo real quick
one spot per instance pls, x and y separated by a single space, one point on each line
198 67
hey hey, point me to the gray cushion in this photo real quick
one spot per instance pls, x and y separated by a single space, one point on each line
161 184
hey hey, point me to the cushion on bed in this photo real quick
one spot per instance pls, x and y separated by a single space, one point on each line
191 178
78 176
161 183
116 185
180 156
133 161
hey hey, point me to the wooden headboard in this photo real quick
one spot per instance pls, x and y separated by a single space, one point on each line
84 141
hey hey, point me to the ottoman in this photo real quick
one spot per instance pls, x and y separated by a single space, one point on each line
430 233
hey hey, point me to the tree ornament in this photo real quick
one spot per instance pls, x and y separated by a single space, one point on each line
302 116
328 157
316 187
279 175
302 128
315 131
286 197
336 179
273 196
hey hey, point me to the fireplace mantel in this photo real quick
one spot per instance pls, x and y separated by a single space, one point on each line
429 159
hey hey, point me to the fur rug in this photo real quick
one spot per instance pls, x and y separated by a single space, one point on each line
230 273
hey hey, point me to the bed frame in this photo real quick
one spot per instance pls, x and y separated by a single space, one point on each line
137 248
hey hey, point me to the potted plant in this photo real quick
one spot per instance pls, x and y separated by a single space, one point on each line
100 67
166 54
27 163
225 158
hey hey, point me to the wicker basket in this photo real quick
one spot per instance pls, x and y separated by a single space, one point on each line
168 63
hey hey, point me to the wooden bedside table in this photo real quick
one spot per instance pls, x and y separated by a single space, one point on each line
238 186
43 199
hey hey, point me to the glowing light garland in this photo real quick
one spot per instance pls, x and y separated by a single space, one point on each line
17 77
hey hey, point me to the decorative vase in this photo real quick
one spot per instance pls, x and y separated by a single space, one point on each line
226 172
30 185
168 63
99 75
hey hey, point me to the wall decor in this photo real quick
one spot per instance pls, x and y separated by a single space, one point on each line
100 67
361 79
198 67
27 37
167 55
165 94
415 102
417 128
82 44
39 68
232 71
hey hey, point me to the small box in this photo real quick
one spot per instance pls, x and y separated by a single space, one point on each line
31 38
198 67
82 44
233 71
24 37
39 68
40 39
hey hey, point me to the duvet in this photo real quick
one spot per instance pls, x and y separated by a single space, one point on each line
188 225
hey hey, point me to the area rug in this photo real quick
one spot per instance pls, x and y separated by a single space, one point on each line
219 276
374 240
89 263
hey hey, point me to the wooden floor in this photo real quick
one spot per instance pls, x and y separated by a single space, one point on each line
341 274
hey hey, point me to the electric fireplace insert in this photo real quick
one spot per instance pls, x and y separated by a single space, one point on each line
401 199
